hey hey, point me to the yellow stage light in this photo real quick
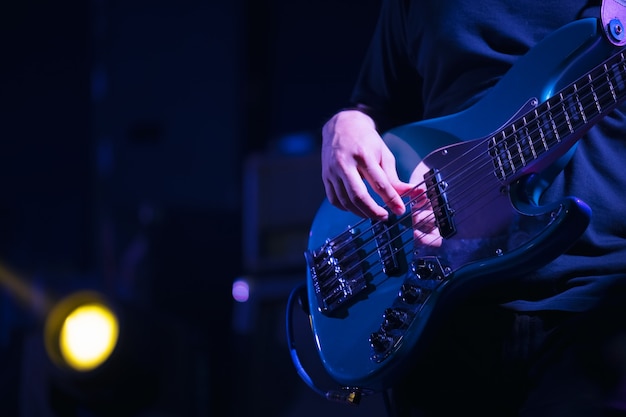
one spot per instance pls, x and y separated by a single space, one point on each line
81 332
88 336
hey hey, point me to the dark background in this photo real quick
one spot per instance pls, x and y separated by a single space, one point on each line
157 151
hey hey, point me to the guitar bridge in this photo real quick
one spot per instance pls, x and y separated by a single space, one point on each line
336 272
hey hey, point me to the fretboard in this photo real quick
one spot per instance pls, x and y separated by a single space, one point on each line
559 121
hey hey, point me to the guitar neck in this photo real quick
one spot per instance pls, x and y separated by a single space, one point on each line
550 129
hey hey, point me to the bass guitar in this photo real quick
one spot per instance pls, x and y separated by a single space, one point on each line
375 289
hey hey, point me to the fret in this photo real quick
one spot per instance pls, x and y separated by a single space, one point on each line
618 75
518 145
588 99
561 121
604 90
542 134
508 152
593 92
610 83
568 120
551 122
516 151
572 107
606 85
565 124
509 155
528 138
496 152
617 71
579 104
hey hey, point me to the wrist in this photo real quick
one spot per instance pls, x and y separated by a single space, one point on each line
354 115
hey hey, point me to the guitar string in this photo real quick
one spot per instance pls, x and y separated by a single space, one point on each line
534 121
606 101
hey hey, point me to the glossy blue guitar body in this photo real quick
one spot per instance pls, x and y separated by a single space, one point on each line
375 289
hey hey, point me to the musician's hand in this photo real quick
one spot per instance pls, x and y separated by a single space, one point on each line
353 151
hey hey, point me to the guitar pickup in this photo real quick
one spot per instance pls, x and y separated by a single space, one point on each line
389 244
436 193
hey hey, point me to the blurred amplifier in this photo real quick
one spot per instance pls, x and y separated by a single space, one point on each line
282 193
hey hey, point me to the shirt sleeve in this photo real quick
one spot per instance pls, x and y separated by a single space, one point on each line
388 83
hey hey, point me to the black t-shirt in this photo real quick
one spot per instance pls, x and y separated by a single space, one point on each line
433 58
